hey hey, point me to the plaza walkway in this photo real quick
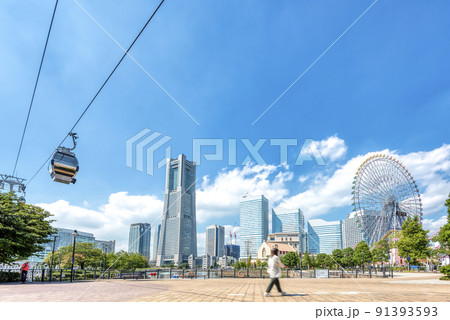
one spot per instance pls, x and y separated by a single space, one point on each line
404 287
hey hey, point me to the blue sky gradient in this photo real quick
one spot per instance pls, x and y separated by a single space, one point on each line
383 86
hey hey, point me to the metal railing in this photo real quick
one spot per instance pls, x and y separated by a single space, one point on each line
47 275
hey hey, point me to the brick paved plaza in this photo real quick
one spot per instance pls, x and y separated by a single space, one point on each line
406 287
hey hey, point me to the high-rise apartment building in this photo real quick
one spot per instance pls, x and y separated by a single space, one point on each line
215 239
178 239
254 224
351 232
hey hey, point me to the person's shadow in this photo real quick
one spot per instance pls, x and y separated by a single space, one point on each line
295 294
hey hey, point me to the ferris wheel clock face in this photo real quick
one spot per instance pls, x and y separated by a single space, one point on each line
384 195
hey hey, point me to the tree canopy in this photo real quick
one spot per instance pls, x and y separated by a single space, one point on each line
413 240
444 233
380 251
291 259
362 253
347 257
24 228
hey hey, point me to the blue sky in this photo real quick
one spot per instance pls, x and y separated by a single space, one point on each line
383 86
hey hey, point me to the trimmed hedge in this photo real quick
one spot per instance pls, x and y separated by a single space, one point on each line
6 276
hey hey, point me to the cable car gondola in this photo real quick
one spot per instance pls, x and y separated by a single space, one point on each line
64 165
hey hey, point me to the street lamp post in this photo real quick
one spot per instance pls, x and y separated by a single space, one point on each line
75 234
53 254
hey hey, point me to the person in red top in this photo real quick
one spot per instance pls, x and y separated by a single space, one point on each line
24 272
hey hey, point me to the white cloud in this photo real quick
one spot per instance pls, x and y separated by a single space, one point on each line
201 243
332 148
110 221
434 225
220 198
431 172
429 168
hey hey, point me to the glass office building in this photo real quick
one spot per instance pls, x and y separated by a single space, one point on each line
215 240
156 235
289 221
324 236
178 239
139 239
232 250
254 224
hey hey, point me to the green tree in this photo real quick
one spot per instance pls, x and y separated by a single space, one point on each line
313 261
264 264
86 255
24 228
444 233
291 259
237 265
347 258
306 260
258 263
249 262
413 241
380 251
184 265
362 254
337 257
320 260
329 262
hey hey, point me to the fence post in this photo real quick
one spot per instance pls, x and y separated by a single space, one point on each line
221 273
314 273
356 273
84 277
157 274
182 273
260 273
109 274
248 272
342 272
195 273
42 275
370 272
170 273
234 273
301 273
60 275
95 273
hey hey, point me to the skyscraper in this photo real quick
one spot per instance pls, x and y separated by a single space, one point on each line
324 236
288 221
178 239
215 240
351 233
232 250
156 235
139 239
254 224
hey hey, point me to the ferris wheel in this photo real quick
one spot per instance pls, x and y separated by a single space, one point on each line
384 195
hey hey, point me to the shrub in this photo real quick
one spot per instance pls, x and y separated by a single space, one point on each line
6 276
445 270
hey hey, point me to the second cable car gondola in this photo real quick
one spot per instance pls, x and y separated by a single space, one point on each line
64 165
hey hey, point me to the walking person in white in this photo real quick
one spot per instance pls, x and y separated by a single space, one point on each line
274 271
